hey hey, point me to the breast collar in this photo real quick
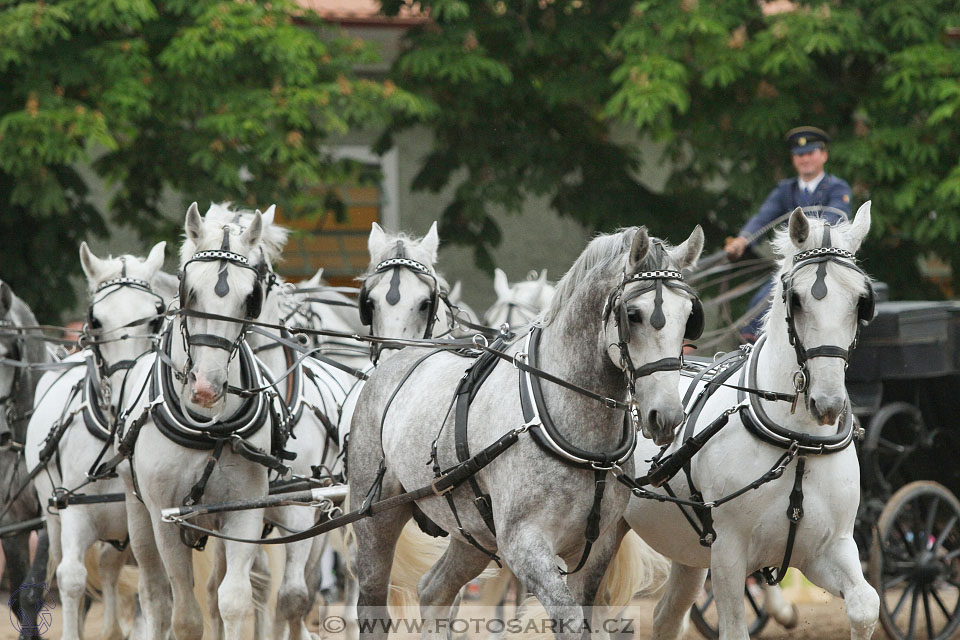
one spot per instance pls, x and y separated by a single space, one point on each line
95 420
167 415
545 432
760 424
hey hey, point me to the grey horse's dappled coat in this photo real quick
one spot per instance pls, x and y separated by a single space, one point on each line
540 503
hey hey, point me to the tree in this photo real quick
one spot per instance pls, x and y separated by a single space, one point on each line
529 90
215 100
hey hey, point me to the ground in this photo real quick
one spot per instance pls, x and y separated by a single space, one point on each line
819 620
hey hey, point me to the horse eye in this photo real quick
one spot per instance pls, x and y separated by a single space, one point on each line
95 323
635 316
424 305
795 303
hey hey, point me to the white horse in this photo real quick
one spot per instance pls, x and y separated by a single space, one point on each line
193 407
619 308
820 299
127 294
518 303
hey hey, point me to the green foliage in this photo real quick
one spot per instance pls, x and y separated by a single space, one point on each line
718 83
215 100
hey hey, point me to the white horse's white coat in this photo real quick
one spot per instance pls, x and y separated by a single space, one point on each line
752 530
75 529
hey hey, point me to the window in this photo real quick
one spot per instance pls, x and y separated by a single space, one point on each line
341 247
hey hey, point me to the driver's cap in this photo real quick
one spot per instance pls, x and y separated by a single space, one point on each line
806 139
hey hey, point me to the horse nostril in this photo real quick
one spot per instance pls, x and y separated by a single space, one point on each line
652 418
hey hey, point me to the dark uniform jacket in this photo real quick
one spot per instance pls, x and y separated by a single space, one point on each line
787 196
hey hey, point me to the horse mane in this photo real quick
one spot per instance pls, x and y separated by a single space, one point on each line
272 240
603 258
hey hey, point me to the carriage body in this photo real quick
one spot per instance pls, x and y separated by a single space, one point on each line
903 382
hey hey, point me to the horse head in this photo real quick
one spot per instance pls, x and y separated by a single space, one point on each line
821 299
400 296
518 303
224 270
630 286
126 307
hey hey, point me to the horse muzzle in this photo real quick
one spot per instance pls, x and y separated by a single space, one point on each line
660 425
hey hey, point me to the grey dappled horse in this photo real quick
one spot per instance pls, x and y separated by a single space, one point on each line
17 385
605 320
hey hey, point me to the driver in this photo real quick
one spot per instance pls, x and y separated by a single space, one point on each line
812 187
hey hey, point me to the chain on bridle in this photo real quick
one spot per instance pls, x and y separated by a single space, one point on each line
821 256
616 306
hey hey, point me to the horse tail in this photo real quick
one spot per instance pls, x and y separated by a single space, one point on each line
635 568
415 554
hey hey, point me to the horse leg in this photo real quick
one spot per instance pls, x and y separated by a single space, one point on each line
16 549
178 562
728 571
78 536
533 561
783 611
376 540
837 569
217 570
438 589
31 598
351 588
236 592
293 600
260 585
153 586
111 562
683 586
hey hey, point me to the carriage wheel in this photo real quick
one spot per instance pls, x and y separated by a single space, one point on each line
895 431
703 613
915 563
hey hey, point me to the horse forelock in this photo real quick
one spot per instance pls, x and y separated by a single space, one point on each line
603 261
127 265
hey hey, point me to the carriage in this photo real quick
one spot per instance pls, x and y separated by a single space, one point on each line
902 382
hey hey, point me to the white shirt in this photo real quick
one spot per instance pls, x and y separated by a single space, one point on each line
812 185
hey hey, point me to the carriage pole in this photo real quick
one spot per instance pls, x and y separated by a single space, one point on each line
320 496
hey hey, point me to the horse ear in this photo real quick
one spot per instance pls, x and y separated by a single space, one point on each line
543 277
6 298
639 247
194 224
431 242
269 215
455 292
251 237
687 254
377 241
154 259
92 265
799 227
500 284
860 226
317 278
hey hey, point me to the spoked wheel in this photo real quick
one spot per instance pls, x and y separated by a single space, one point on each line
915 563
703 613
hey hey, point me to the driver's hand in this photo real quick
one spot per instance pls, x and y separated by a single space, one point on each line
735 247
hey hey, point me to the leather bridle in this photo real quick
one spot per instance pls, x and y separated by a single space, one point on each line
616 307
820 257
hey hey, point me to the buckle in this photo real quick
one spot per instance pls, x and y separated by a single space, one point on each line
440 492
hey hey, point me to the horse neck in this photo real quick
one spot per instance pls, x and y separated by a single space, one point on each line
776 366
569 349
